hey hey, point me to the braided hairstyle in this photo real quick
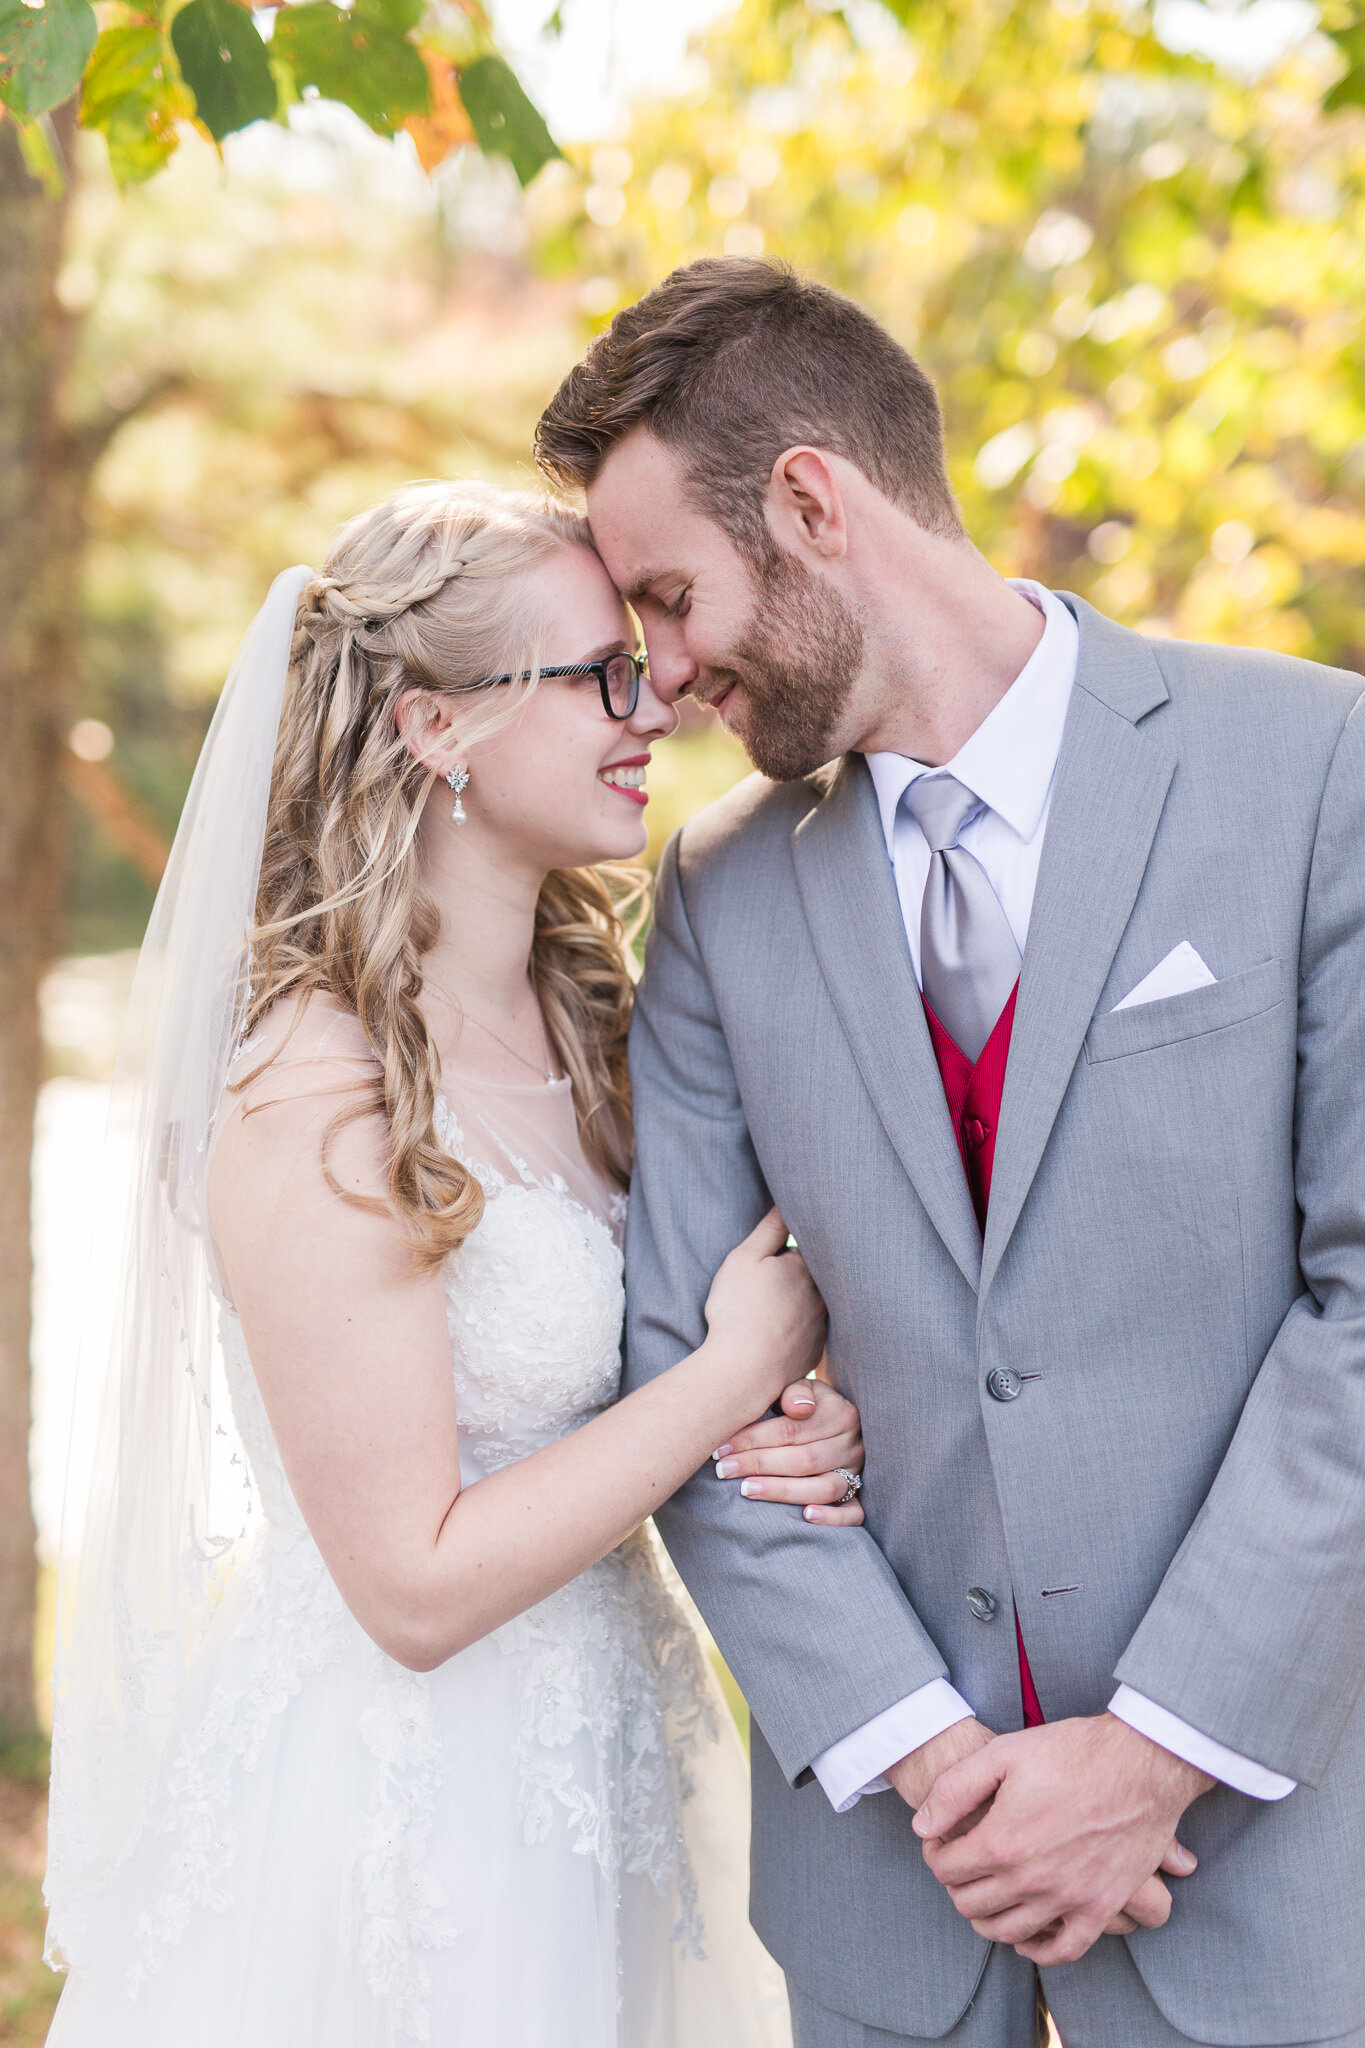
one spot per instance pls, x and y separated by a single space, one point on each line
424 590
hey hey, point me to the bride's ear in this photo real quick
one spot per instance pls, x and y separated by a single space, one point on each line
426 728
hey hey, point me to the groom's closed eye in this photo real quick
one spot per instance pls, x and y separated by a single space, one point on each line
668 593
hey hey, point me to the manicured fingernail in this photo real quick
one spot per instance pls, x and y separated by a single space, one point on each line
801 1405
723 1449
922 1823
752 1489
726 1468
813 1514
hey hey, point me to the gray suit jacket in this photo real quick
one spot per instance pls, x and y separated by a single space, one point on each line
1175 1252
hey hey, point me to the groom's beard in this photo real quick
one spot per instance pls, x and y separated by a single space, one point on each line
795 668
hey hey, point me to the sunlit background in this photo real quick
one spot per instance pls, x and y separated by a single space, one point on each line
1126 240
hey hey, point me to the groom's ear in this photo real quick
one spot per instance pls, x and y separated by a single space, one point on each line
806 504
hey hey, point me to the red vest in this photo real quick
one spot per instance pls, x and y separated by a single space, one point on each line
974 1094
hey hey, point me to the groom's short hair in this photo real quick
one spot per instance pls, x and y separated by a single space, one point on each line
729 361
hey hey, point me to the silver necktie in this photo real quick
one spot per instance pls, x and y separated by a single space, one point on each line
969 961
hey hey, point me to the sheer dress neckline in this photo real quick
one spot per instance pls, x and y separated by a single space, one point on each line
454 1074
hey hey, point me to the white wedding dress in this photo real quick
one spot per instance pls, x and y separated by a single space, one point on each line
541 1844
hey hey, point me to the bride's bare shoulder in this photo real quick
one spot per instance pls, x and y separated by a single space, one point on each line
304 1045
303 1082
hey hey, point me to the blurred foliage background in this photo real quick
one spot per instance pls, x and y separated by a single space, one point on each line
1135 274
1136 279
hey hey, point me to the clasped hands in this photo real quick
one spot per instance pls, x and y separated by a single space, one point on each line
1052 1837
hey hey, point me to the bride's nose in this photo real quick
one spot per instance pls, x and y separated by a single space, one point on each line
652 718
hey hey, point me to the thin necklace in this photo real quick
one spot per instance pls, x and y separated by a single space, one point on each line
547 1070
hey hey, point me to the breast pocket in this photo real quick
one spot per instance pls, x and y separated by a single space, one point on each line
1200 1010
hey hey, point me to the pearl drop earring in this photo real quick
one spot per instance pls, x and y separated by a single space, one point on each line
458 778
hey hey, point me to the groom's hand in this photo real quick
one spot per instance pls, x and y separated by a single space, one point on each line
915 1776
1081 1814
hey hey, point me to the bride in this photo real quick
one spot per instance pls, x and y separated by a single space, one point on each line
376 1718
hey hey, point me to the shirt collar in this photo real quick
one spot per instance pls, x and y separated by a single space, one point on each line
1010 759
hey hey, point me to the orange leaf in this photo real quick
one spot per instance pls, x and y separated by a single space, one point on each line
447 126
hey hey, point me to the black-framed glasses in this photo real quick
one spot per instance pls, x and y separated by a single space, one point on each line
618 680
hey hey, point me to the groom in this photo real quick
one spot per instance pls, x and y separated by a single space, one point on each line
1041 1014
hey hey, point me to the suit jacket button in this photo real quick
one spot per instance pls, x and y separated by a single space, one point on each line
982 1604
1004 1384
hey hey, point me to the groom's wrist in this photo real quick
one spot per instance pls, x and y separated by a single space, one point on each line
1173 1782
915 1775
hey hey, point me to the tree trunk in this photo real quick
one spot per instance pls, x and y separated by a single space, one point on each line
41 516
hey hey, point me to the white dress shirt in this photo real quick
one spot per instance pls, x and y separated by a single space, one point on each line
1009 762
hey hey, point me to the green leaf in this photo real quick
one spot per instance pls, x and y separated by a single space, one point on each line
133 94
225 65
399 15
505 121
1349 91
355 58
37 146
43 51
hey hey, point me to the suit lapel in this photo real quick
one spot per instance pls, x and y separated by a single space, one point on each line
848 894
1111 783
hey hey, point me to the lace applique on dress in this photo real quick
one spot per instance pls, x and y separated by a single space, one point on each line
295 1623
402 1902
534 1304
534 1301
611 1656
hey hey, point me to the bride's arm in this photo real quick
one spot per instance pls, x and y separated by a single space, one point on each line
352 1354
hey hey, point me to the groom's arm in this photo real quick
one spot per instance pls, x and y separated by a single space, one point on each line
811 1620
1257 1632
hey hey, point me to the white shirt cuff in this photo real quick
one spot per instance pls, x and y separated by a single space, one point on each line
1167 1729
854 1765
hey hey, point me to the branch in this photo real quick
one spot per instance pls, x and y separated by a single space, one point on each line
85 443
132 833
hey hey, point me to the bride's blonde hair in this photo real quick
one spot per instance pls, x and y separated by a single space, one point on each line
426 590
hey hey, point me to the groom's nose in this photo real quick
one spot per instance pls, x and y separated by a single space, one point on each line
672 669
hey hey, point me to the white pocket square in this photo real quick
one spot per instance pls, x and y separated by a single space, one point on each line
1180 971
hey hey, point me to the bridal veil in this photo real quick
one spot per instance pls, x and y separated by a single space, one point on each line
158 1496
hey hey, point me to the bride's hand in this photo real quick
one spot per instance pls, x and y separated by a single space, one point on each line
799 1455
765 1318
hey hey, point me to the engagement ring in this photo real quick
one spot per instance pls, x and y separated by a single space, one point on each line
854 1485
